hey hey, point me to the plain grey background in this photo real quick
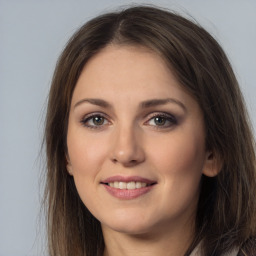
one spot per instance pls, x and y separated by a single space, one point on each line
32 35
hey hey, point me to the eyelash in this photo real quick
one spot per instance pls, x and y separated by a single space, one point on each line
90 117
170 119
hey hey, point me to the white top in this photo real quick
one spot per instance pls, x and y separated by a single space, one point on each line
197 253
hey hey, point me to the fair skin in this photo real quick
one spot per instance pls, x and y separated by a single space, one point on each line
131 122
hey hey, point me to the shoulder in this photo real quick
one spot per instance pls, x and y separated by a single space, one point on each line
248 248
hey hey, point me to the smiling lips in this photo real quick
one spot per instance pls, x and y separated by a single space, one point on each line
127 187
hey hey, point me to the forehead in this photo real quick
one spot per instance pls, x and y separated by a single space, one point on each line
126 58
121 67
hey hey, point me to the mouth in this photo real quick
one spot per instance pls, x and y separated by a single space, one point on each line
131 185
131 182
128 187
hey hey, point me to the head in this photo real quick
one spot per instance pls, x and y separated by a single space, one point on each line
226 204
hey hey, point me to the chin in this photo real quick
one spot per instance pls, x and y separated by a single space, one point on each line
128 224
129 229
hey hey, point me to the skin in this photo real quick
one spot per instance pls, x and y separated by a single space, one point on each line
130 141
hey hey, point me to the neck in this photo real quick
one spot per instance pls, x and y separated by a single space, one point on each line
171 242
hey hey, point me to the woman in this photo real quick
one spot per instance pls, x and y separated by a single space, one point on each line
148 143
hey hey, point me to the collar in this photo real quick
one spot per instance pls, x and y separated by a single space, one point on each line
196 251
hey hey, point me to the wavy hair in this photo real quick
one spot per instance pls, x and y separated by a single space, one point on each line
227 208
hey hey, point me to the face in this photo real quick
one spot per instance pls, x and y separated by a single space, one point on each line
136 142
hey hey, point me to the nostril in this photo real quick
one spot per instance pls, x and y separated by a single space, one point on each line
114 160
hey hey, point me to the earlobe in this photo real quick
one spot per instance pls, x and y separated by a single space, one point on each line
69 166
69 171
212 165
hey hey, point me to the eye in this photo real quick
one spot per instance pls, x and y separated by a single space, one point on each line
95 121
161 120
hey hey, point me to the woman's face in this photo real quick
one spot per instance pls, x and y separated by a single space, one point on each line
136 142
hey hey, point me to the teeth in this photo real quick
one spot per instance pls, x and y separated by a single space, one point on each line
130 185
138 185
122 185
116 184
127 185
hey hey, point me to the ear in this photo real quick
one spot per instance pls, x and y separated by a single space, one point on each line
69 166
212 164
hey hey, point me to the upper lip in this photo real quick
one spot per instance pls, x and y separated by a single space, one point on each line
127 179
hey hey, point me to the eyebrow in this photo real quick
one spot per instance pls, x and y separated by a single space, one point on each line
158 102
97 102
144 104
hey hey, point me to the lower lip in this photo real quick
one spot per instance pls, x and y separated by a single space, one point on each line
127 193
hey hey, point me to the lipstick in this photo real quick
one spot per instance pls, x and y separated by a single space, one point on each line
128 187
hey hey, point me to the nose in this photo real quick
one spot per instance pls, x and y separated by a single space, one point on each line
127 148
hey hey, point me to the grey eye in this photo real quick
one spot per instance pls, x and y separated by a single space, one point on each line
94 121
162 120
98 120
159 120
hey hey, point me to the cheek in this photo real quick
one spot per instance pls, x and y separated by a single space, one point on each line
86 153
180 155
180 161
179 164
86 157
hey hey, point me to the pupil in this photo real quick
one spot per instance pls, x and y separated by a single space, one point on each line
160 120
98 120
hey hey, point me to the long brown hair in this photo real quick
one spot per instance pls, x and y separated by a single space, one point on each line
227 207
